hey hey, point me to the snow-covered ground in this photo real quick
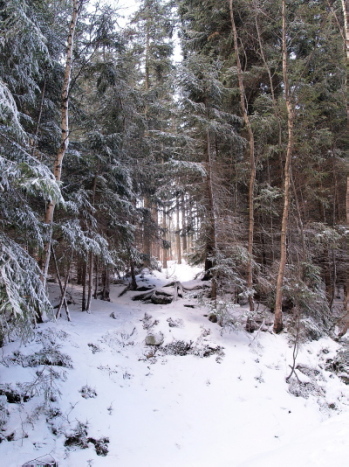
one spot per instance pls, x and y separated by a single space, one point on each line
224 403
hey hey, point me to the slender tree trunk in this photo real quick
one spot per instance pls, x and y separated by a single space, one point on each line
275 107
164 228
105 284
95 293
278 324
57 168
84 288
345 6
90 281
184 225
252 162
178 234
347 220
211 228
91 255
63 289
147 231
133 285
155 220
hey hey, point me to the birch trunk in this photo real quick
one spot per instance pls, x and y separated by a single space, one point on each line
57 168
278 324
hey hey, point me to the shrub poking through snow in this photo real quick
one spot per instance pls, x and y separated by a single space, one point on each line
16 395
4 413
50 356
80 439
182 348
87 392
340 365
101 445
304 389
44 461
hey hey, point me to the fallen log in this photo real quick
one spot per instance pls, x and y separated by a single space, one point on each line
166 294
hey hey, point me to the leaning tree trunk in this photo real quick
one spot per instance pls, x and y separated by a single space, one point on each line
57 168
278 324
252 162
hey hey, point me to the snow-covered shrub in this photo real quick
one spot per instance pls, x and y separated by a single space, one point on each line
45 383
50 356
79 438
340 365
177 323
44 461
4 413
148 321
221 312
87 392
18 394
304 389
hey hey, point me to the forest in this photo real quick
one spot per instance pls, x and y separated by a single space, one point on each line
210 132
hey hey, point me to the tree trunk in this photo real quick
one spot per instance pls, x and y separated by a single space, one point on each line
278 324
178 235
105 284
147 231
133 285
95 292
164 228
211 227
90 281
84 288
251 150
345 6
184 225
57 168
91 255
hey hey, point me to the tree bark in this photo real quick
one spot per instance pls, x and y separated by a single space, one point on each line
278 324
91 257
345 6
147 231
252 162
83 301
57 168
184 225
211 228
178 234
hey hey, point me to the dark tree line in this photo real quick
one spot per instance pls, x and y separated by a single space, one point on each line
116 155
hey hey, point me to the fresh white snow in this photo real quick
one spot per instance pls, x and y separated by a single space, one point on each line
169 410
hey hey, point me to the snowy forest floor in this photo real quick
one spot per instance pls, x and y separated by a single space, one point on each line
91 392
